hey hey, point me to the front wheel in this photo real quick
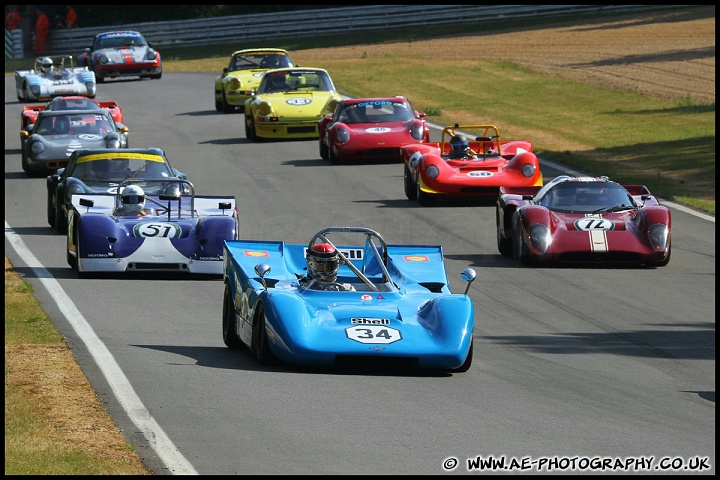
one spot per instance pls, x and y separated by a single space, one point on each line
504 245
50 210
250 133
410 192
468 360
60 220
424 199
324 150
226 108
229 321
262 348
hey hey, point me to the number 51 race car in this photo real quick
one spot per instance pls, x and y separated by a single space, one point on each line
394 310
54 77
173 233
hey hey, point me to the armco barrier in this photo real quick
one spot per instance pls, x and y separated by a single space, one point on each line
323 22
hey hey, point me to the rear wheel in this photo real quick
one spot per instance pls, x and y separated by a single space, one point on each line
229 320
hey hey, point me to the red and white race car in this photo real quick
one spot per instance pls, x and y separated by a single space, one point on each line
583 220
30 112
362 129
458 168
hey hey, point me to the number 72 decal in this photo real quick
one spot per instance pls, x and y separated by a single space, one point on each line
373 334
590 223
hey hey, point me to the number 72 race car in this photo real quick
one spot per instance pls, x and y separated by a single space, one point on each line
173 233
583 220
395 309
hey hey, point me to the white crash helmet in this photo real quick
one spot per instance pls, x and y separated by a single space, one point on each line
46 64
133 199
322 262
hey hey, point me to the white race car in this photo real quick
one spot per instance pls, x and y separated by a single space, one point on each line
54 77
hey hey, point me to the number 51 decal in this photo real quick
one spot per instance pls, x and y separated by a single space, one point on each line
160 230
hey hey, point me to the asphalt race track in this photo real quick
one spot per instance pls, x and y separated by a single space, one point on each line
572 366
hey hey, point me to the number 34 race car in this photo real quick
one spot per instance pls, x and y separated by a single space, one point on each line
395 308
583 220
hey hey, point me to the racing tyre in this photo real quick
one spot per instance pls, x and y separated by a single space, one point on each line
60 220
250 131
226 108
468 360
333 158
218 105
424 199
72 260
410 187
229 321
324 151
522 251
504 244
667 260
262 349
50 211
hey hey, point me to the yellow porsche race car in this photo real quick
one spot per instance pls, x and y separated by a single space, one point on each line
242 76
289 103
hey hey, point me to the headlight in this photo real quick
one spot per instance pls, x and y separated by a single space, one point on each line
416 132
35 89
37 148
540 237
528 170
90 87
658 234
342 135
103 58
113 142
234 84
151 55
432 171
264 108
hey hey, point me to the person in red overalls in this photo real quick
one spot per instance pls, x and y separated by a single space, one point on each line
42 26
71 20
12 18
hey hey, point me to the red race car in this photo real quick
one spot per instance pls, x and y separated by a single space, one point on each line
583 220
458 168
362 129
30 112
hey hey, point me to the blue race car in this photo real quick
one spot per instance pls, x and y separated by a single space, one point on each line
173 232
396 311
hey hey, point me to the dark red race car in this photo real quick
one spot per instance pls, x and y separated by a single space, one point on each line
575 219
363 129
30 112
